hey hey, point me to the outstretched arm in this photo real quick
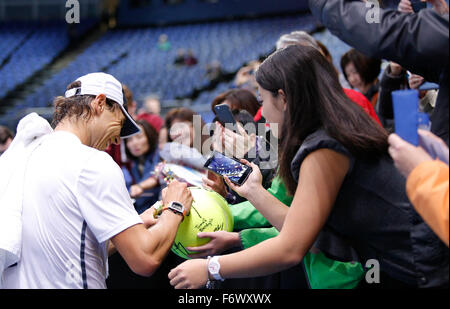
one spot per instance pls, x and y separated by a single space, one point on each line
418 42
321 176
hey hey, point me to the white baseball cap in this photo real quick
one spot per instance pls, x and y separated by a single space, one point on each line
102 83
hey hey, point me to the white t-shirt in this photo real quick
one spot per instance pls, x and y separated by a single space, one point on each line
75 200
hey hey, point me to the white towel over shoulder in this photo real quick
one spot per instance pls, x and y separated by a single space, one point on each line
30 133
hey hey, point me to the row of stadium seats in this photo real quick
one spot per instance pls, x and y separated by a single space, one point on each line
11 36
29 49
133 56
336 47
232 44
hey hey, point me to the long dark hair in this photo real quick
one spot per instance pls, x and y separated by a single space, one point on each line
316 100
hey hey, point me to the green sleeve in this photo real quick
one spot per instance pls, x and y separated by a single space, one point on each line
254 227
247 216
279 190
251 237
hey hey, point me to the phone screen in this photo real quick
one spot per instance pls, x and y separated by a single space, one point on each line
225 166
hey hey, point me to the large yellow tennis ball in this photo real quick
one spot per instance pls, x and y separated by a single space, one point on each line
209 213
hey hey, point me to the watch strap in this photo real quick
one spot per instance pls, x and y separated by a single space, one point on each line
215 275
183 214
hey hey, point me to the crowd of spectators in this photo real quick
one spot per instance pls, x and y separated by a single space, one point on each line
344 188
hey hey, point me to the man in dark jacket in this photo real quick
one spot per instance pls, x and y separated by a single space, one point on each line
418 42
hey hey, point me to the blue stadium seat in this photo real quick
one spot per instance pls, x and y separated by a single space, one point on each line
132 56
29 48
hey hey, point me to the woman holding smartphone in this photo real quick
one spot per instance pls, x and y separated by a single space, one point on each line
349 200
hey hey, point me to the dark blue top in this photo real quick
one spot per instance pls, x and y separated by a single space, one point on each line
372 218
150 196
418 42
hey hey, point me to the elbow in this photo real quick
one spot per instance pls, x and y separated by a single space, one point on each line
146 267
292 255
292 259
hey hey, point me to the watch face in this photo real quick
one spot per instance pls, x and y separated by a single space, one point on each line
177 207
213 268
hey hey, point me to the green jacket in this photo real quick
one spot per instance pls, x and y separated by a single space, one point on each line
323 273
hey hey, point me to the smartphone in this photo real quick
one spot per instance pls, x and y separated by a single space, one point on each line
418 5
222 165
225 117
406 114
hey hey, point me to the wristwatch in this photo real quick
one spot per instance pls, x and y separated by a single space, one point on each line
176 207
214 268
